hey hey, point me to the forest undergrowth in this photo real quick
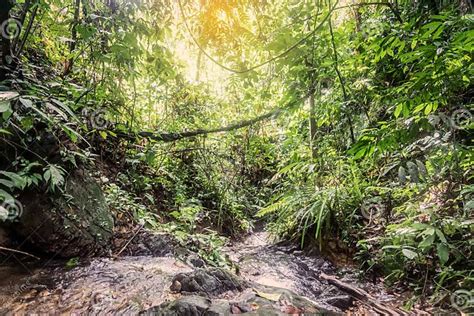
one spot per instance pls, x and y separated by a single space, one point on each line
345 127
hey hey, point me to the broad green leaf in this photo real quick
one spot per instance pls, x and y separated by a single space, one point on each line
6 197
443 253
18 181
410 254
428 108
441 236
54 176
4 106
360 153
398 110
427 242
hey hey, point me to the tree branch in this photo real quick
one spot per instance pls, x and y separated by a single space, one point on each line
28 30
171 137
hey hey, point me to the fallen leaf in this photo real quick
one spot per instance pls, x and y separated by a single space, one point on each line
275 297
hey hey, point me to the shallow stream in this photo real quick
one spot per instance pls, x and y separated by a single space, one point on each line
128 285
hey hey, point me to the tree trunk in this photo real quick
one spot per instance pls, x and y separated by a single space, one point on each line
198 66
72 45
312 125
5 43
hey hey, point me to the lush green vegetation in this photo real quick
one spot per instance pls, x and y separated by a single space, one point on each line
336 123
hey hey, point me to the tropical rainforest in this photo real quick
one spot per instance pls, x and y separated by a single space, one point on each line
217 157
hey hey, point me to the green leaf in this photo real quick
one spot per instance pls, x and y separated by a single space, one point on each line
103 134
441 236
410 254
26 102
427 242
9 184
398 110
4 106
18 181
54 175
428 108
360 153
66 109
443 253
6 197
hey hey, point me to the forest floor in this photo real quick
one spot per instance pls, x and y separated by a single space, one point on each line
272 279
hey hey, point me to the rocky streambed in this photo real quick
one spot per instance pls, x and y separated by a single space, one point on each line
148 279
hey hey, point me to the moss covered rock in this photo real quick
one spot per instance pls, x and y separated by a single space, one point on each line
74 223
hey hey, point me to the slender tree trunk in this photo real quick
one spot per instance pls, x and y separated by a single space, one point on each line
465 6
341 81
17 49
312 124
5 43
357 16
72 45
198 67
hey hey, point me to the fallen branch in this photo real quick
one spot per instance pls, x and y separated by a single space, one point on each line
115 257
171 137
362 296
19 252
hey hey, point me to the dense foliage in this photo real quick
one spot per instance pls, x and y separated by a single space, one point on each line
346 125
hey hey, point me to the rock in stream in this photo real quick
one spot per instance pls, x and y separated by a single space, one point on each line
273 280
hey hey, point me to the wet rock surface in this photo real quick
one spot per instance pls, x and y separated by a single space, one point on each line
285 266
215 291
143 243
102 286
273 280
212 282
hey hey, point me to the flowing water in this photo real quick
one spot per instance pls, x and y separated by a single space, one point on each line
129 285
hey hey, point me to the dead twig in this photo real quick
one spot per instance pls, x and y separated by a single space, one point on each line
19 252
128 242
362 296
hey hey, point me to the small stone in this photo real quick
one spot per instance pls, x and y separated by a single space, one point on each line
176 286
342 301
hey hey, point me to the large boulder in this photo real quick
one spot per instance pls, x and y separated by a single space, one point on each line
76 222
211 281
